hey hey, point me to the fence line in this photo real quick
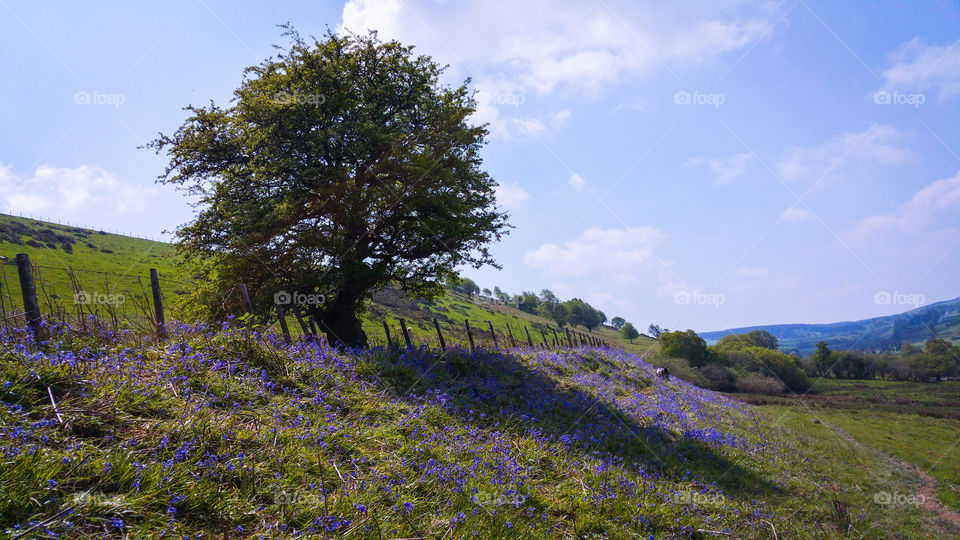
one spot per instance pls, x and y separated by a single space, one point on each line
140 302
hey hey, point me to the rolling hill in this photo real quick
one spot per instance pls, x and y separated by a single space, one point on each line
103 261
876 334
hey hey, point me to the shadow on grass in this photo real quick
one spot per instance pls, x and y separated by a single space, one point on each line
513 397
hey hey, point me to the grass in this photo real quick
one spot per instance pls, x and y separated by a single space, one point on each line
229 432
929 443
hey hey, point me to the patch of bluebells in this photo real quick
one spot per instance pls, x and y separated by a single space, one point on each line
562 401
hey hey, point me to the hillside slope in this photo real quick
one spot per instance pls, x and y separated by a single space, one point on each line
105 262
233 434
878 333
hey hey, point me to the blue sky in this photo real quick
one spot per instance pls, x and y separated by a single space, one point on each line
699 166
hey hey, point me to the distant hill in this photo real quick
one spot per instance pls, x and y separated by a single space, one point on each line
877 334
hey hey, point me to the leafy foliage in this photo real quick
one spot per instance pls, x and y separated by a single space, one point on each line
341 165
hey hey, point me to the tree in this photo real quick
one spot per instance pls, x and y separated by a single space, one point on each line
527 302
762 338
467 286
822 359
340 166
655 331
486 291
581 313
618 322
629 332
551 308
687 345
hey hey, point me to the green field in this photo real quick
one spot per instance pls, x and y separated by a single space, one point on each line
913 427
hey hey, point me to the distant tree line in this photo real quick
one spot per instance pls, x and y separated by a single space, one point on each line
936 360
753 363
573 312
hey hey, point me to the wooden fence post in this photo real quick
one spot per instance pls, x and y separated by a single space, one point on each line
556 340
386 330
544 336
158 304
245 295
494 334
303 325
283 324
31 307
406 334
513 342
443 344
466 323
569 341
527 330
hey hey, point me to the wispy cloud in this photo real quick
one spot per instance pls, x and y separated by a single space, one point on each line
937 205
726 169
916 66
601 252
71 193
542 47
878 145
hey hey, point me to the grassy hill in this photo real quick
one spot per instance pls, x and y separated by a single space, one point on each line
110 262
876 334
233 434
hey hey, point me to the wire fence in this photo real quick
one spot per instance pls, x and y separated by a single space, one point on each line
87 299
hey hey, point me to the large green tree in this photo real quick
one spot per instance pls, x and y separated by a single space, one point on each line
340 166
687 345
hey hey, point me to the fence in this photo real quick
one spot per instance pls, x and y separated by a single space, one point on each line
116 300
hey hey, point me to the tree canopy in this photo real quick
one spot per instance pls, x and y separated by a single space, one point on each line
340 166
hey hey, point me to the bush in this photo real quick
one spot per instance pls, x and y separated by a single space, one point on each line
718 378
758 384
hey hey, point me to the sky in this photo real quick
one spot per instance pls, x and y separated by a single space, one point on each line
701 165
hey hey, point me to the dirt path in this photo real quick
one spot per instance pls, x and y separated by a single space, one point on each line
926 482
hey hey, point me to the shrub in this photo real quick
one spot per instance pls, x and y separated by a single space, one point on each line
718 377
758 384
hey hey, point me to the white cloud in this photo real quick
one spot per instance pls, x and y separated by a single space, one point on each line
936 205
919 67
76 193
726 169
878 145
536 48
577 182
511 195
794 215
601 252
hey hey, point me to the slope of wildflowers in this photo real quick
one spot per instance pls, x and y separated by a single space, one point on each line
229 432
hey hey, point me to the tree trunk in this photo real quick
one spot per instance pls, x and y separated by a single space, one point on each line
340 323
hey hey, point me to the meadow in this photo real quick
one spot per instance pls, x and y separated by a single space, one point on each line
228 431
